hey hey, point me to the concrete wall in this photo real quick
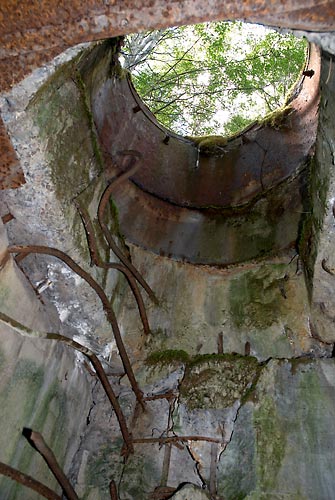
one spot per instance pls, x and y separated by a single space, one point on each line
43 385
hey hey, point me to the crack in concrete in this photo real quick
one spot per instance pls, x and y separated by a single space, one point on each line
197 467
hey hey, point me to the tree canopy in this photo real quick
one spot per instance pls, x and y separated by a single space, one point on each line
213 78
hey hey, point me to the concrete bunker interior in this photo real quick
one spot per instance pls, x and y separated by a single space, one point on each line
217 339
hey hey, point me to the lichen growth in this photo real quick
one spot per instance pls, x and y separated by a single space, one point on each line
104 464
87 105
140 476
4 294
217 381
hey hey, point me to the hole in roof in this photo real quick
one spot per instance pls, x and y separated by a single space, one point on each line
213 78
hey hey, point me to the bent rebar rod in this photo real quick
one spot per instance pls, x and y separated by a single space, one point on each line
101 213
113 490
28 249
28 481
96 259
27 332
35 439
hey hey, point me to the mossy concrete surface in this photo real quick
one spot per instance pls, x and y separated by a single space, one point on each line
218 381
282 441
41 385
41 388
262 303
320 232
62 164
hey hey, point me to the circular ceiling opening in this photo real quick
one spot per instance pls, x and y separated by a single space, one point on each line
213 78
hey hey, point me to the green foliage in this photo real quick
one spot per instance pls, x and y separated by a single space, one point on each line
213 78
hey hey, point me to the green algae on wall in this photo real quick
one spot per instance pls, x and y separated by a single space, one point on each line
140 475
315 203
17 403
4 294
236 473
270 443
17 400
2 359
30 399
104 464
61 109
255 296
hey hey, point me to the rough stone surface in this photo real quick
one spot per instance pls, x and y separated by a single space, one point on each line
323 299
281 447
236 428
190 491
265 304
54 139
42 385
218 381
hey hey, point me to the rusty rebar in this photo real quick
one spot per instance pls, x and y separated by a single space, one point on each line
28 249
36 440
28 481
101 213
113 490
7 217
170 394
220 343
172 439
213 470
96 259
162 493
99 371
105 384
4 260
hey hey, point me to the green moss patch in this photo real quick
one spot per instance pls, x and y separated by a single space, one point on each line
168 357
255 297
270 443
278 119
104 465
217 381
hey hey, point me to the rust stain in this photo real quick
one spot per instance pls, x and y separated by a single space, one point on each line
175 172
11 174
34 32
